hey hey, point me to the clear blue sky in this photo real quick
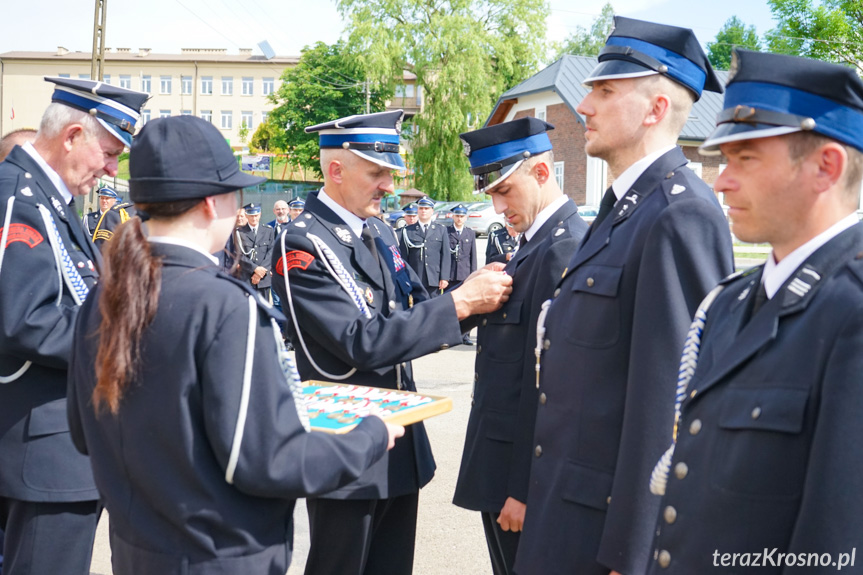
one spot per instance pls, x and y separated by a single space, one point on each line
168 25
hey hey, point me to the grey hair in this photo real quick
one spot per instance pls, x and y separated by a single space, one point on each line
58 116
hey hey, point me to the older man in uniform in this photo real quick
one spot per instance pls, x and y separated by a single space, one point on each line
281 211
620 314
425 246
513 162
48 502
765 475
255 243
356 305
107 198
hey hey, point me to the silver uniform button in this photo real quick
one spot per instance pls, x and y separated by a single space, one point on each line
538 450
28 175
546 344
479 349
444 346
590 282
670 514
664 559
681 470
542 398
695 427
392 304
557 292
756 413
485 322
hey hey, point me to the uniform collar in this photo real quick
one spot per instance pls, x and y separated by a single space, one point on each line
352 220
544 215
50 172
181 242
629 176
775 274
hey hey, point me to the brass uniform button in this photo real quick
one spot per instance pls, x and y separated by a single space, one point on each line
444 346
608 500
557 292
681 470
670 514
542 398
590 282
538 450
504 315
695 427
664 558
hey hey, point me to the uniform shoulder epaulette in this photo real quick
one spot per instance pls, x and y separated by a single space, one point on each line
740 274
301 225
24 187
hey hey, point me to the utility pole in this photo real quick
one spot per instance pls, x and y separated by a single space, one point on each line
97 68
368 97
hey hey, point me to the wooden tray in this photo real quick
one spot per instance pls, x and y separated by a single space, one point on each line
338 408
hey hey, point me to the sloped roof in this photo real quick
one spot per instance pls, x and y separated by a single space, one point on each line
564 77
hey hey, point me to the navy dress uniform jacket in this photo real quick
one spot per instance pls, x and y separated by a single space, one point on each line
615 330
107 224
277 227
160 463
768 454
37 316
462 246
498 446
256 249
500 243
432 261
339 338
90 222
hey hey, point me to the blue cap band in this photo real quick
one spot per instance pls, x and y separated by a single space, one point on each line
536 144
336 140
680 68
831 118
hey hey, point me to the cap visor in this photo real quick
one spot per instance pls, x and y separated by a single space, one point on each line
242 180
504 175
124 137
386 159
617 70
737 131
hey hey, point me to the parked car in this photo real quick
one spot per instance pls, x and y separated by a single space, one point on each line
482 218
588 213
443 213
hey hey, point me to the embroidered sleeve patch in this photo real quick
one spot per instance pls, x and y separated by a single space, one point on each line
24 234
295 259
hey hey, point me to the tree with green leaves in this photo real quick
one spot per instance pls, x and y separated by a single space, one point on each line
733 34
243 132
830 30
465 53
328 83
585 42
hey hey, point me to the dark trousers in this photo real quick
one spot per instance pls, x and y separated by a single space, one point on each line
45 537
502 545
362 536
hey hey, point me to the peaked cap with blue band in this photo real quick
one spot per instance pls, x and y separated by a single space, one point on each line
459 210
373 137
773 94
496 151
297 204
410 210
107 192
252 209
637 48
117 109
425 202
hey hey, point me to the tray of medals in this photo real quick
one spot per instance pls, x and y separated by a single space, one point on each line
338 408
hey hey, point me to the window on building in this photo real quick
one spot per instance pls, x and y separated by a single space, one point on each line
248 86
63 76
400 91
246 118
419 95
227 86
186 85
264 116
227 120
165 85
106 79
185 112
409 91
558 174
206 85
695 167
146 84
126 81
269 86
145 116
83 76
207 115
164 113
540 113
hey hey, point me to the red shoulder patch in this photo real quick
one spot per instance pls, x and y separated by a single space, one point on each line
295 259
24 234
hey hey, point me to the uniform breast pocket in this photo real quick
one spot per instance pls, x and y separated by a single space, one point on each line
506 344
594 307
761 450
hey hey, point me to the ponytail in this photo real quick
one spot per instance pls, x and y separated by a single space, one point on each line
130 286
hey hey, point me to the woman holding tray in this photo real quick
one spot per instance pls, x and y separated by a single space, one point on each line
180 388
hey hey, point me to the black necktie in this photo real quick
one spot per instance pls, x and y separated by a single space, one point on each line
605 206
521 241
369 240
760 299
